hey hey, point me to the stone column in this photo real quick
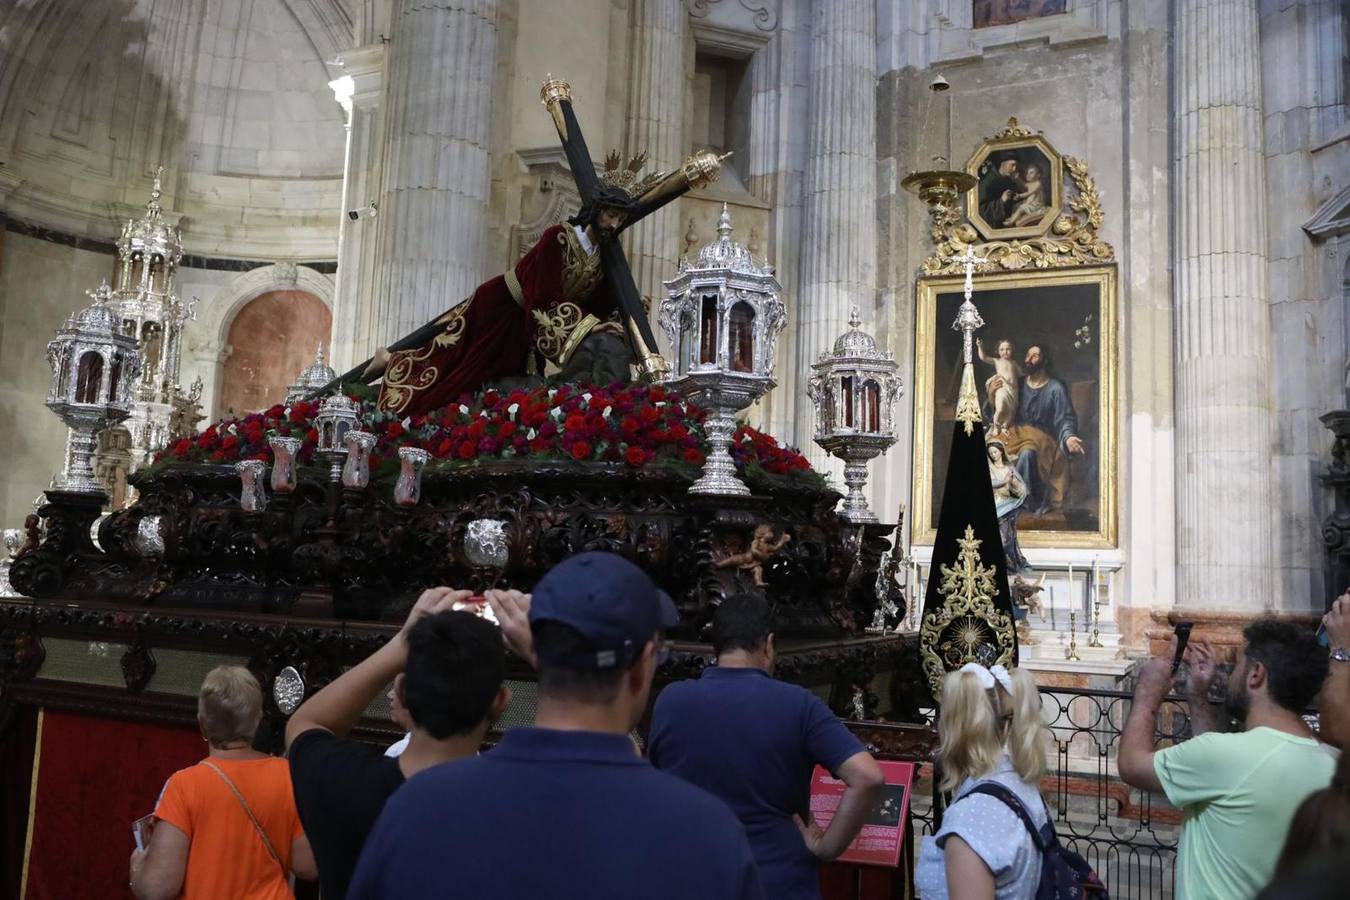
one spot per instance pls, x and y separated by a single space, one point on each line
1304 109
1223 364
433 203
838 249
360 91
657 88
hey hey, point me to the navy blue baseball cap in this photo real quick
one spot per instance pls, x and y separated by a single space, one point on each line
609 601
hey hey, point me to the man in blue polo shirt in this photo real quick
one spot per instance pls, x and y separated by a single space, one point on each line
753 741
567 808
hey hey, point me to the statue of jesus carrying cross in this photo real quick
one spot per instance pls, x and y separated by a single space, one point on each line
562 291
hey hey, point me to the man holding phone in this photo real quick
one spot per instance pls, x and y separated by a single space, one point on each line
447 668
1335 705
1238 790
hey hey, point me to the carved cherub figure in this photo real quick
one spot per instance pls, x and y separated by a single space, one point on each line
1024 594
1026 602
762 548
32 535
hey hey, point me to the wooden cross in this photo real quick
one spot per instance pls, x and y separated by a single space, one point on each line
556 95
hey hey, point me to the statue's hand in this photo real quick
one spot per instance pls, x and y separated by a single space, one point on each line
378 363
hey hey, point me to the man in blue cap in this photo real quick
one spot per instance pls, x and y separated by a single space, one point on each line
567 808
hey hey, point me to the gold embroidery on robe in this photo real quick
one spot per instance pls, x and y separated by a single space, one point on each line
402 379
581 271
554 328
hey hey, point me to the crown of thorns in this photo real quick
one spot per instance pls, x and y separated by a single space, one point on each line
628 176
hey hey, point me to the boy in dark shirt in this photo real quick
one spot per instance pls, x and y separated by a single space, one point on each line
447 668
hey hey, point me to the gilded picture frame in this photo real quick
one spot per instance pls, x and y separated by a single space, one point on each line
1006 202
1070 317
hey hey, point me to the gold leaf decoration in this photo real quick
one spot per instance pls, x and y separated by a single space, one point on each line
966 626
1074 238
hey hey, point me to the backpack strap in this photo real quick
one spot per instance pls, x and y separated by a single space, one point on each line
1009 799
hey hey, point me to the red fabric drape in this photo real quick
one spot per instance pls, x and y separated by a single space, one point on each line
95 777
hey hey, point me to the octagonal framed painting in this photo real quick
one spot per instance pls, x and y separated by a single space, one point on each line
1020 189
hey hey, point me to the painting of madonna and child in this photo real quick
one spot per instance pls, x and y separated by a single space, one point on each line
1045 372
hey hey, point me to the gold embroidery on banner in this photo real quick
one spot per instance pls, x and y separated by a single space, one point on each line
968 401
966 626
553 331
581 271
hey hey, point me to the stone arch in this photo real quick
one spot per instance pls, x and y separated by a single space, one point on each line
216 319
273 339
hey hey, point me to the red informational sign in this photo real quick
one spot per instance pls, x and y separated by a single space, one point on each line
878 843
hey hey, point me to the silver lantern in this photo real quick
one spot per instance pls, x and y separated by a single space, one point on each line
854 390
145 299
337 416
94 367
315 378
722 314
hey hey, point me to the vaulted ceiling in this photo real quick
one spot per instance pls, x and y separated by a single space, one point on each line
231 97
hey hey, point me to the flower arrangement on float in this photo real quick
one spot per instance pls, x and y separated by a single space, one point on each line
638 426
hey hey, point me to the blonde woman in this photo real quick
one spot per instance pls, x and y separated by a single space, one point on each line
226 827
991 731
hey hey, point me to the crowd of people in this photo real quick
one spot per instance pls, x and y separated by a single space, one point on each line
717 803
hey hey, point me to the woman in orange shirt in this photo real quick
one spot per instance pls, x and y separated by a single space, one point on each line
226 827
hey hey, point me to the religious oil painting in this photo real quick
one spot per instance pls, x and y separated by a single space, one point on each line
1045 370
1020 189
985 13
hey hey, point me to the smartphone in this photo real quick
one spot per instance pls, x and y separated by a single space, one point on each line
1183 633
478 605
1322 635
141 829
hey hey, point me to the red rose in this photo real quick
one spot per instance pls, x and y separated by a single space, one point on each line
678 433
693 455
635 456
477 429
581 450
394 430
656 394
229 443
312 436
491 399
444 448
298 415
507 429
649 414
539 445
630 425
467 450
574 422
182 447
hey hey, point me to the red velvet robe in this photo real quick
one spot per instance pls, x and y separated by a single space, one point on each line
552 298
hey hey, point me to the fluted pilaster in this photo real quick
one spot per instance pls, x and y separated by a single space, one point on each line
655 124
1223 393
433 217
838 250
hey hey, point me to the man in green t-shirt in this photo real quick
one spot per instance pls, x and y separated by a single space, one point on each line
1239 790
